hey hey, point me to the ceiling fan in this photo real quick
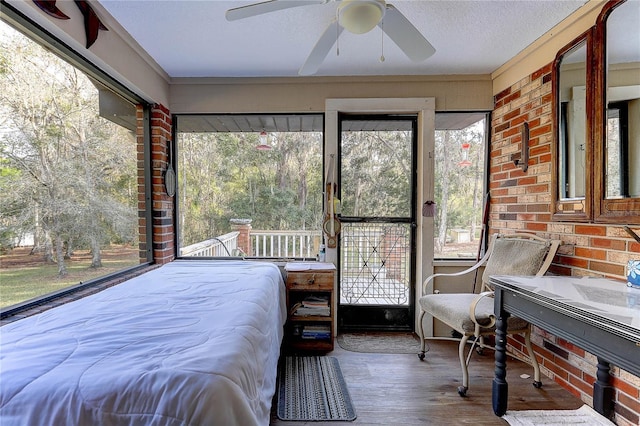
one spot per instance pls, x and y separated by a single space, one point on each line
355 16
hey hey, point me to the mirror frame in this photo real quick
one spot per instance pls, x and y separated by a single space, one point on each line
624 210
578 209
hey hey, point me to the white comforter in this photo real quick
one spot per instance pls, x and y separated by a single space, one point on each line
190 343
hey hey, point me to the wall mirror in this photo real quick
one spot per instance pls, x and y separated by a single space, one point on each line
572 135
618 130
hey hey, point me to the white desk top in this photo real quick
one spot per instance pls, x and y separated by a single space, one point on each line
609 302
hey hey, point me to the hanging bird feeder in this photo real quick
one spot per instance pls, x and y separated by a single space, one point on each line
465 155
264 142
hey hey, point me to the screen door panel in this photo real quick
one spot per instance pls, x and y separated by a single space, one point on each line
376 259
377 181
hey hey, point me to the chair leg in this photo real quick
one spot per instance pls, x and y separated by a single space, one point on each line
480 348
462 390
534 362
422 339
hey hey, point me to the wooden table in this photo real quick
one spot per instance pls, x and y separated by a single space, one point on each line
601 316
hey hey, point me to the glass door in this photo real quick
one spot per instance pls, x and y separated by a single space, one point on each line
377 180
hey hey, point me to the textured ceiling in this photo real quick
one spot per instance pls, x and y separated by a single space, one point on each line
193 39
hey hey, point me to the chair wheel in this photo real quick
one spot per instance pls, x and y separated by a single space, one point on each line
462 391
537 385
421 356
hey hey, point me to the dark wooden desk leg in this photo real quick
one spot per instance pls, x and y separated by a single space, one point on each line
603 392
500 387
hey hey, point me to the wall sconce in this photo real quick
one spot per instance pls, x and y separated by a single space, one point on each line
521 159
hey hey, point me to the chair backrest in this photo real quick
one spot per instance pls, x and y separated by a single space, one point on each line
518 254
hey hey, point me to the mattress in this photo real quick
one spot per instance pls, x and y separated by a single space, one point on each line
189 343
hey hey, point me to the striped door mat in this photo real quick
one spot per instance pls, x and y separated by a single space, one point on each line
312 388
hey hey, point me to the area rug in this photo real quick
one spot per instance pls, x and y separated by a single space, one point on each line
312 388
380 342
584 415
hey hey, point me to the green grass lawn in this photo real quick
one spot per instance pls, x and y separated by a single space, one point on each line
23 283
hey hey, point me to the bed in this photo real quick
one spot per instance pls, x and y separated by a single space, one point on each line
189 343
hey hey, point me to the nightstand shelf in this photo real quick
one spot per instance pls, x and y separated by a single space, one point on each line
310 305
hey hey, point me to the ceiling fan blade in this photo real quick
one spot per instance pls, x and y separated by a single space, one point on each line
266 7
321 49
405 35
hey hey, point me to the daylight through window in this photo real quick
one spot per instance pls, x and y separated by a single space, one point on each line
460 142
68 174
250 185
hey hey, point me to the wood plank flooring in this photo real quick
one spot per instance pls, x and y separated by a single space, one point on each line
390 389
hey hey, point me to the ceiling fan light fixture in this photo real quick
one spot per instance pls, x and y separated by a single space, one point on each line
360 16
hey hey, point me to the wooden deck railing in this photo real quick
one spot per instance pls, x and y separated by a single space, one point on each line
224 245
281 244
276 244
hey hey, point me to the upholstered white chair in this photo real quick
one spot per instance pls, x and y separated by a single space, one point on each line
472 314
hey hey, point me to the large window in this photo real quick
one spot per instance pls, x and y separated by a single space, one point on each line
249 185
460 146
68 174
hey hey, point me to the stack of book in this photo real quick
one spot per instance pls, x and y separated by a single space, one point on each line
312 306
316 332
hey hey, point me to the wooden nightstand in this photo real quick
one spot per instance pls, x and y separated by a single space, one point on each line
311 307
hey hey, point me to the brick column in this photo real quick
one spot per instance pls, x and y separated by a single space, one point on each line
244 239
393 250
161 204
142 218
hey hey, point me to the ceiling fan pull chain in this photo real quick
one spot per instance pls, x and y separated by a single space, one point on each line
382 40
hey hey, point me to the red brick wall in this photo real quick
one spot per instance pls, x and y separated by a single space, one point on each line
162 205
522 202
244 238
142 218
